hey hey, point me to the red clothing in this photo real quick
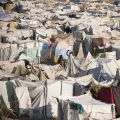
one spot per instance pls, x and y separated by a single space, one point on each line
105 95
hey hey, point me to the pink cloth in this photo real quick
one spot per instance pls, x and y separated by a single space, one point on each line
52 44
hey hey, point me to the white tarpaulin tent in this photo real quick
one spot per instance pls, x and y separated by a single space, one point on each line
38 99
92 109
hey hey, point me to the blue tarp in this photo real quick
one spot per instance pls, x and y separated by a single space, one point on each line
5 17
76 1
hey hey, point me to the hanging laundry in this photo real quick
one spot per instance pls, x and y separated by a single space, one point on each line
105 95
31 53
78 107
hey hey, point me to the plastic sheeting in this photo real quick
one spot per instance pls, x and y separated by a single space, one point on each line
7 96
94 109
73 66
24 99
39 99
5 17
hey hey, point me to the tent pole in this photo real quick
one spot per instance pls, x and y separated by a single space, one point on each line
61 88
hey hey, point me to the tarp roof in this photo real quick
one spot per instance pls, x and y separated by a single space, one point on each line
4 74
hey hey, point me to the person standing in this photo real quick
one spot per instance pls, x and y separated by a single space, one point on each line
52 46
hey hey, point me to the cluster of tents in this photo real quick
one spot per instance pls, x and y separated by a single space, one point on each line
60 60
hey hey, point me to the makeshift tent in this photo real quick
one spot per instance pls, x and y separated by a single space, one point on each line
84 106
73 66
37 99
41 96
8 97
